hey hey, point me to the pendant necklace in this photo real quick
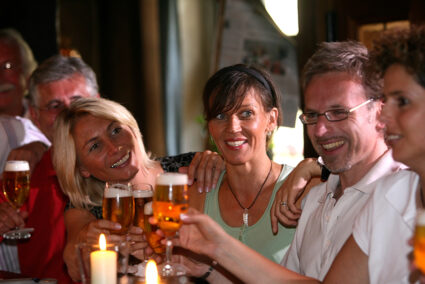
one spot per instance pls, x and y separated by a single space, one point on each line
245 214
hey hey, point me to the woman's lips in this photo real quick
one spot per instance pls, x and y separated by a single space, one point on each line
122 160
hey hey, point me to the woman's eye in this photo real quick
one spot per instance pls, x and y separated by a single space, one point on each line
247 113
93 147
116 130
220 116
402 101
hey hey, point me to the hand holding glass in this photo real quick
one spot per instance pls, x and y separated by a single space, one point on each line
118 205
16 186
169 201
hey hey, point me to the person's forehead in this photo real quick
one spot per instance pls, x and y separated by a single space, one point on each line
69 87
333 89
9 50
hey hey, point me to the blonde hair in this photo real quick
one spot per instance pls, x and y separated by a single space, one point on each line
87 192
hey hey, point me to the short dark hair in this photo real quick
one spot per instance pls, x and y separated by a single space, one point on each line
345 56
227 88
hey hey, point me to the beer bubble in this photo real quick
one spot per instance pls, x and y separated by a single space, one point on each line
172 178
16 166
112 192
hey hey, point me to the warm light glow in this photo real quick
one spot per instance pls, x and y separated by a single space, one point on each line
151 274
102 242
285 14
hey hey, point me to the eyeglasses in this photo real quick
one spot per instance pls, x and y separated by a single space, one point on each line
331 115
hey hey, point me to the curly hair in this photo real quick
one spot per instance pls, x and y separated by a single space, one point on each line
400 46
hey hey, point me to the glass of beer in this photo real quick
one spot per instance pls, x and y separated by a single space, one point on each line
118 205
16 186
142 194
419 241
170 199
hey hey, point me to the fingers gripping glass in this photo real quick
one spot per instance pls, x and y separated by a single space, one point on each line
331 115
16 186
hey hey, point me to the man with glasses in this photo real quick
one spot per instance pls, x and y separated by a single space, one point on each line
341 115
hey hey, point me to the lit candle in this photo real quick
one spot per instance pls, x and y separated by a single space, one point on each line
103 264
151 274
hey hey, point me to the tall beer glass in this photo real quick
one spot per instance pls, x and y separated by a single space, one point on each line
142 194
169 201
16 186
419 241
118 206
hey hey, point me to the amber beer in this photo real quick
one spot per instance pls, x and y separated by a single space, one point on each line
142 212
419 241
16 182
170 200
118 206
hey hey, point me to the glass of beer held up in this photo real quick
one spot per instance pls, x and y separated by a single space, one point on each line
419 241
16 186
142 194
170 199
118 205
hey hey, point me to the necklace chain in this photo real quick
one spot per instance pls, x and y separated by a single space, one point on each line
258 194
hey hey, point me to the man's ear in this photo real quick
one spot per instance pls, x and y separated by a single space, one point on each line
34 115
84 172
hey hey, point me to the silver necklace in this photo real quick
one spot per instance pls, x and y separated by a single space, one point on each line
245 214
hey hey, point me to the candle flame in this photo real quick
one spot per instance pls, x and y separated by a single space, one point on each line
102 242
151 274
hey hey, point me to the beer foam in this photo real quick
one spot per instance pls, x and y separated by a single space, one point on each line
16 166
112 192
148 209
142 193
420 217
172 178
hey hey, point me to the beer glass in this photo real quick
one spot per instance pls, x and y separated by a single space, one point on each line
170 199
142 194
16 186
419 241
118 205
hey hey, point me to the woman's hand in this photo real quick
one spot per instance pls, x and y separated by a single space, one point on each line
205 169
285 209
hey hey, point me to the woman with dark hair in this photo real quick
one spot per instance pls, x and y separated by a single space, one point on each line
242 109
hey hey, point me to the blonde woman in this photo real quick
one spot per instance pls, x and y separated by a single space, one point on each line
98 140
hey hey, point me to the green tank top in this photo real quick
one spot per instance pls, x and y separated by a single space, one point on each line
258 236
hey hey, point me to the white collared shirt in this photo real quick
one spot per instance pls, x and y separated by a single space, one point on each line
325 225
385 225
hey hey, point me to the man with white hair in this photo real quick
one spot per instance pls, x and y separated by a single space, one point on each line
16 65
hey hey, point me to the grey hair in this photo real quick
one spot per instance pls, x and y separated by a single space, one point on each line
12 36
60 67
345 56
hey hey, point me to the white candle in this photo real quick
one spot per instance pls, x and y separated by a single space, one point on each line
103 264
151 274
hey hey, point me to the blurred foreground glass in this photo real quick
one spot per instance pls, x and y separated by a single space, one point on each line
16 186
419 241
169 201
143 194
102 262
118 205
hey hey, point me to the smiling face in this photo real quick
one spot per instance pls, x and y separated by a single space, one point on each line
240 134
105 149
404 115
12 79
345 143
